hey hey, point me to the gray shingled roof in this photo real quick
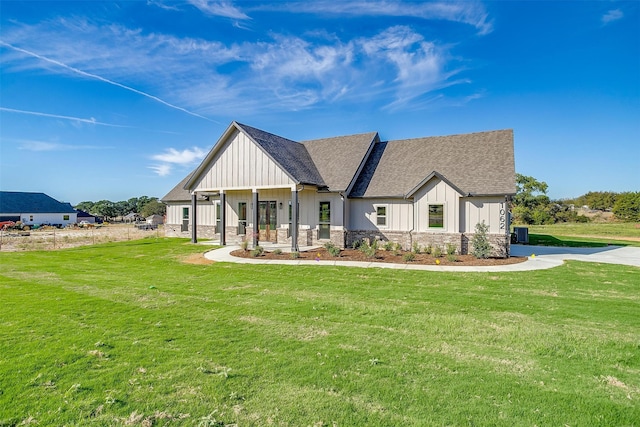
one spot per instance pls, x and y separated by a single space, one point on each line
339 158
477 163
290 155
178 193
15 202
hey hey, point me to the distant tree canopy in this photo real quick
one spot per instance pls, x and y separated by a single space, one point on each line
531 205
144 205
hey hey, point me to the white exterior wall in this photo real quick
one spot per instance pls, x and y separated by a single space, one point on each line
364 217
206 213
48 218
241 164
309 201
491 210
437 191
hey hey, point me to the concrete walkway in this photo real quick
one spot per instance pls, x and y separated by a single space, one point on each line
539 257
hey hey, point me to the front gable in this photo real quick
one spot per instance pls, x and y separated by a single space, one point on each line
237 162
435 194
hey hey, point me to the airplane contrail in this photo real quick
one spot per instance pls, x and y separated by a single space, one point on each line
95 76
56 116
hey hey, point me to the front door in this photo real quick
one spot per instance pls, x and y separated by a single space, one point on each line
267 220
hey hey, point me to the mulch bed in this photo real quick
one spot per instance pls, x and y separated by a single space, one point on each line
383 256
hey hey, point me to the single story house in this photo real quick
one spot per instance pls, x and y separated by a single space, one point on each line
155 219
85 216
35 209
257 186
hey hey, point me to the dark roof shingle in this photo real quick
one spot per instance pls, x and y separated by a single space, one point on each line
16 202
475 163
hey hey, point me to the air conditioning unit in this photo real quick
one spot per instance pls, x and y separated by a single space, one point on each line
522 234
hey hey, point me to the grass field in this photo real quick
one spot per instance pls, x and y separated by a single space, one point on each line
585 234
129 334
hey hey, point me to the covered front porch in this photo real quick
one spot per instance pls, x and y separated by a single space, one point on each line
256 215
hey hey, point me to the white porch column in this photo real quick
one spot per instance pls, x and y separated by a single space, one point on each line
194 209
255 214
223 218
294 220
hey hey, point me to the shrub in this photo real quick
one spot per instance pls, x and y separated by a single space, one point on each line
408 257
397 248
452 257
369 250
388 246
257 251
481 246
295 255
277 251
333 250
416 248
428 249
355 244
437 252
451 249
244 245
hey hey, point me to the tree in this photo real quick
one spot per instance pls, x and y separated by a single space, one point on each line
104 208
627 206
531 203
154 207
85 206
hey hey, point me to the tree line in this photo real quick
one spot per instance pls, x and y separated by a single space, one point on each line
144 206
531 205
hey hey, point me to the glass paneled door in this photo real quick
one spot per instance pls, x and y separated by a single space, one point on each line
267 220
324 221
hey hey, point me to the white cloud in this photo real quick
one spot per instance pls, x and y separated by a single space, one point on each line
171 157
219 8
184 157
612 15
467 12
161 170
285 72
29 145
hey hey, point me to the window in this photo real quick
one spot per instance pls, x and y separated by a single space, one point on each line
185 213
242 218
324 220
381 216
65 217
436 216
217 231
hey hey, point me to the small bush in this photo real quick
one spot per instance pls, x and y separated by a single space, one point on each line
369 250
257 251
277 251
388 246
428 249
244 245
409 256
451 249
295 255
416 248
355 244
437 252
480 243
452 257
397 248
333 250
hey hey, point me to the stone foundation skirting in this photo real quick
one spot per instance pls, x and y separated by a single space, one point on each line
401 237
500 244
439 240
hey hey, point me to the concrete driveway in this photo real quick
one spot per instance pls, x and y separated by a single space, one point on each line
626 255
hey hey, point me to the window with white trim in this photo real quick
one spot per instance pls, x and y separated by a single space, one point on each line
381 215
436 216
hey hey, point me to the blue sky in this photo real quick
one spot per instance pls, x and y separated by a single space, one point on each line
113 100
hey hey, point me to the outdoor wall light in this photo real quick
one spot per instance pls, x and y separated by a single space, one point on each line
280 205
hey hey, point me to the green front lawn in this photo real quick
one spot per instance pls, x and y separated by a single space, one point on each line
128 334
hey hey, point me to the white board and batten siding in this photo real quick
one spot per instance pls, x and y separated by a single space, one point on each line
437 192
364 214
491 210
241 164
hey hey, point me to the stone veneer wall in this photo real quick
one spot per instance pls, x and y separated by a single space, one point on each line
440 240
402 237
500 244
